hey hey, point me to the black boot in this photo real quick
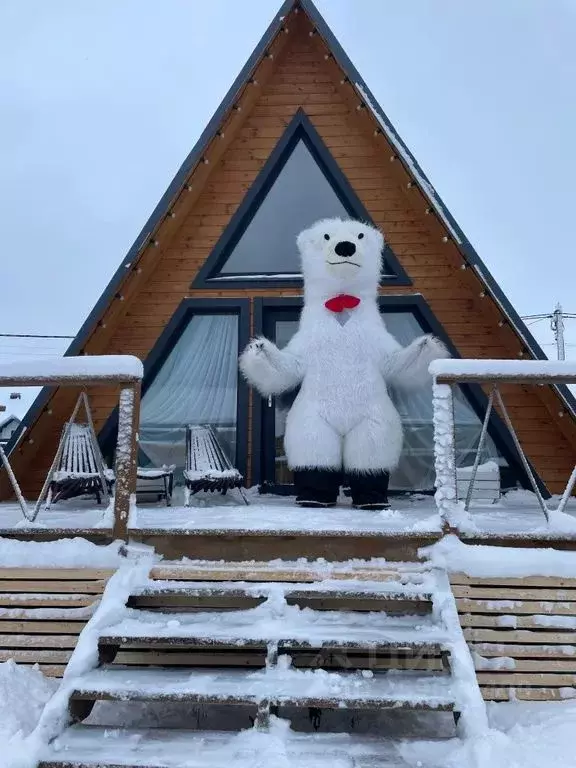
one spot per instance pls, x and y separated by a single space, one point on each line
317 487
369 491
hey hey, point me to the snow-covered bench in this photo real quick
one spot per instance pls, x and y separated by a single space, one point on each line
155 481
80 467
486 482
207 466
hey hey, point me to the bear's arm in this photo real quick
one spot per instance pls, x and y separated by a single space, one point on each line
271 370
407 367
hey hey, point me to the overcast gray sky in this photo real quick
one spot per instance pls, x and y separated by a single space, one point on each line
101 100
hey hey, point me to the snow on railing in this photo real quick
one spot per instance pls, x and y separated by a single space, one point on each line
543 371
450 373
100 370
72 370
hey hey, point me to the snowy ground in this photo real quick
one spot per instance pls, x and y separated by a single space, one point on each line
517 514
523 735
23 694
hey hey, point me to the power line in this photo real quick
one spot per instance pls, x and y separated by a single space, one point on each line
33 336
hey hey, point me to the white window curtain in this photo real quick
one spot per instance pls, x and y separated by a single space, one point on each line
197 384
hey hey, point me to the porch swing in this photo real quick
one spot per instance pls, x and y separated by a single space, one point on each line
77 469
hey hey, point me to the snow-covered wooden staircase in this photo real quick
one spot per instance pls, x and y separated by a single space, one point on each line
268 640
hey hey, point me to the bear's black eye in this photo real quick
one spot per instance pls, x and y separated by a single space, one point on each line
326 237
361 235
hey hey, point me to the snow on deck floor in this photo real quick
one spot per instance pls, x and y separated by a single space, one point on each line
517 514
76 514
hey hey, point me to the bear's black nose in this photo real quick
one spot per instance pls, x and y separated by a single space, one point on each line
345 248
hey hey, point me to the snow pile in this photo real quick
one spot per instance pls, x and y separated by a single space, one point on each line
66 368
522 735
23 693
476 560
85 656
64 553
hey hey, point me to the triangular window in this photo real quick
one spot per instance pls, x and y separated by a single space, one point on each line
299 184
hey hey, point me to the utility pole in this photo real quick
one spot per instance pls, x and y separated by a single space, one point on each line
557 325
557 320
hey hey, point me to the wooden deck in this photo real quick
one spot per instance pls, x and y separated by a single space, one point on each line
273 527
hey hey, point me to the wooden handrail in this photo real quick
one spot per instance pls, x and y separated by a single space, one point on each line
521 378
544 372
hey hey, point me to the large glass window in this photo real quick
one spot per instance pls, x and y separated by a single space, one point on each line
300 195
416 471
196 384
416 468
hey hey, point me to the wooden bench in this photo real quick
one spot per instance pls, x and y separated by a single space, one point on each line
79 467
522 634
155 481
208 468
486 483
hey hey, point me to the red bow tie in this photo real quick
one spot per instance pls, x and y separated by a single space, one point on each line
342 302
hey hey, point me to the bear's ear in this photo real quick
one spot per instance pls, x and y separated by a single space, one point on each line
304 240
377 236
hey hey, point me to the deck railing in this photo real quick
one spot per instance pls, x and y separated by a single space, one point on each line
124 371
449 374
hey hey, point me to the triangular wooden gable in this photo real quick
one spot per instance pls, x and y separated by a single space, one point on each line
299 65
325 192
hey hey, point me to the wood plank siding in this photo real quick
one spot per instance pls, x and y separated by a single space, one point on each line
300 76
520 632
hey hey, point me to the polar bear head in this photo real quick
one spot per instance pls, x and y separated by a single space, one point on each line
341 256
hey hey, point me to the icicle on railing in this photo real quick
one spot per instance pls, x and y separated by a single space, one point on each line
444 455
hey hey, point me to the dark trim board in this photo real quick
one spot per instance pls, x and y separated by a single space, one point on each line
169 337
299 129
414 304
243 545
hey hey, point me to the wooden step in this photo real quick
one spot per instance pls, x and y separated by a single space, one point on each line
201 642
345 596
84 746
292 571
198 652
277 686
288 626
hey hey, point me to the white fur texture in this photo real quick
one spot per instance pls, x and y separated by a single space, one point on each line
343 415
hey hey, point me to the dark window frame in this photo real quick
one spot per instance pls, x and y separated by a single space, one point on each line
300 128
164 345
416 305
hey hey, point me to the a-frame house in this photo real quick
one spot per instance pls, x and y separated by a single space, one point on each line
298 137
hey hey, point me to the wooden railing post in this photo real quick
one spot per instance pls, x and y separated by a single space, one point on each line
444 452
126 457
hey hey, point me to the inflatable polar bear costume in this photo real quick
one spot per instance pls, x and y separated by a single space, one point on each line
343 358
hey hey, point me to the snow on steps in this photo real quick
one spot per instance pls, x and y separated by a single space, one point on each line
276 622
277 686
91 746
390 597
283 637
